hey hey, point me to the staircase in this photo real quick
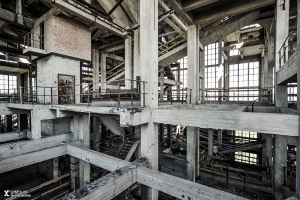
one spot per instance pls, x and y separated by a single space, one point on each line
125 148
112 125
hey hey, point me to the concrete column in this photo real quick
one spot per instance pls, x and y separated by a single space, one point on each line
161 135
19 11
97 136
55 167
193 63
202 76
8 123
219 74
280 158
74 162
219 138
149 71
298 102
161 74
128 62
226 75
136 58
269 150
74 173
192 155
268 78
95 62
103 72
281 33
84 136
210 141
169 133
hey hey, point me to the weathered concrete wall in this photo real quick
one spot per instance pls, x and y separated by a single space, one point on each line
48 69
61 126
64 36
47 127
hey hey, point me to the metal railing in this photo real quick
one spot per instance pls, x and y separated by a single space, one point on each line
237 95
74 94
176 96
283 51
34 40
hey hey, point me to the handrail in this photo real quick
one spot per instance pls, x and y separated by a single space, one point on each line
31 41
284 47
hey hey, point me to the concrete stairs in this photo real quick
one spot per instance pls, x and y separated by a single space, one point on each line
125 148
112 125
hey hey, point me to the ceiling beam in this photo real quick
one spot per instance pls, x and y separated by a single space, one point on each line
10 17
231 25
231 9
173 16
189 5
177 6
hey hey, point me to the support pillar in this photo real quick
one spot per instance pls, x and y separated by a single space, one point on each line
281 33
97 136
193 63
226 75
84 136
19 11
269 150
74 162
298 102
169 133
103 73
128 62
192 153
137 56
219 138
280 158
149 71
55 167
280 143
95 62
210 141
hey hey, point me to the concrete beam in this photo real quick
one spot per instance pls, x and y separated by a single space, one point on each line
231 9
96 158
257 122
5 137
11 17
115 57
177 6
229 26
178 187
18 148
16 162
173 16
106 187
194 4
86 16
244 148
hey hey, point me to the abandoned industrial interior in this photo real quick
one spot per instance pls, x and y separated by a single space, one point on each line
149 99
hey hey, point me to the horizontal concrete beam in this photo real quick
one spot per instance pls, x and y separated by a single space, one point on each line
85 16
19 148
10 17
5 137
19 161
96 158
178 187
271 123
107 187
